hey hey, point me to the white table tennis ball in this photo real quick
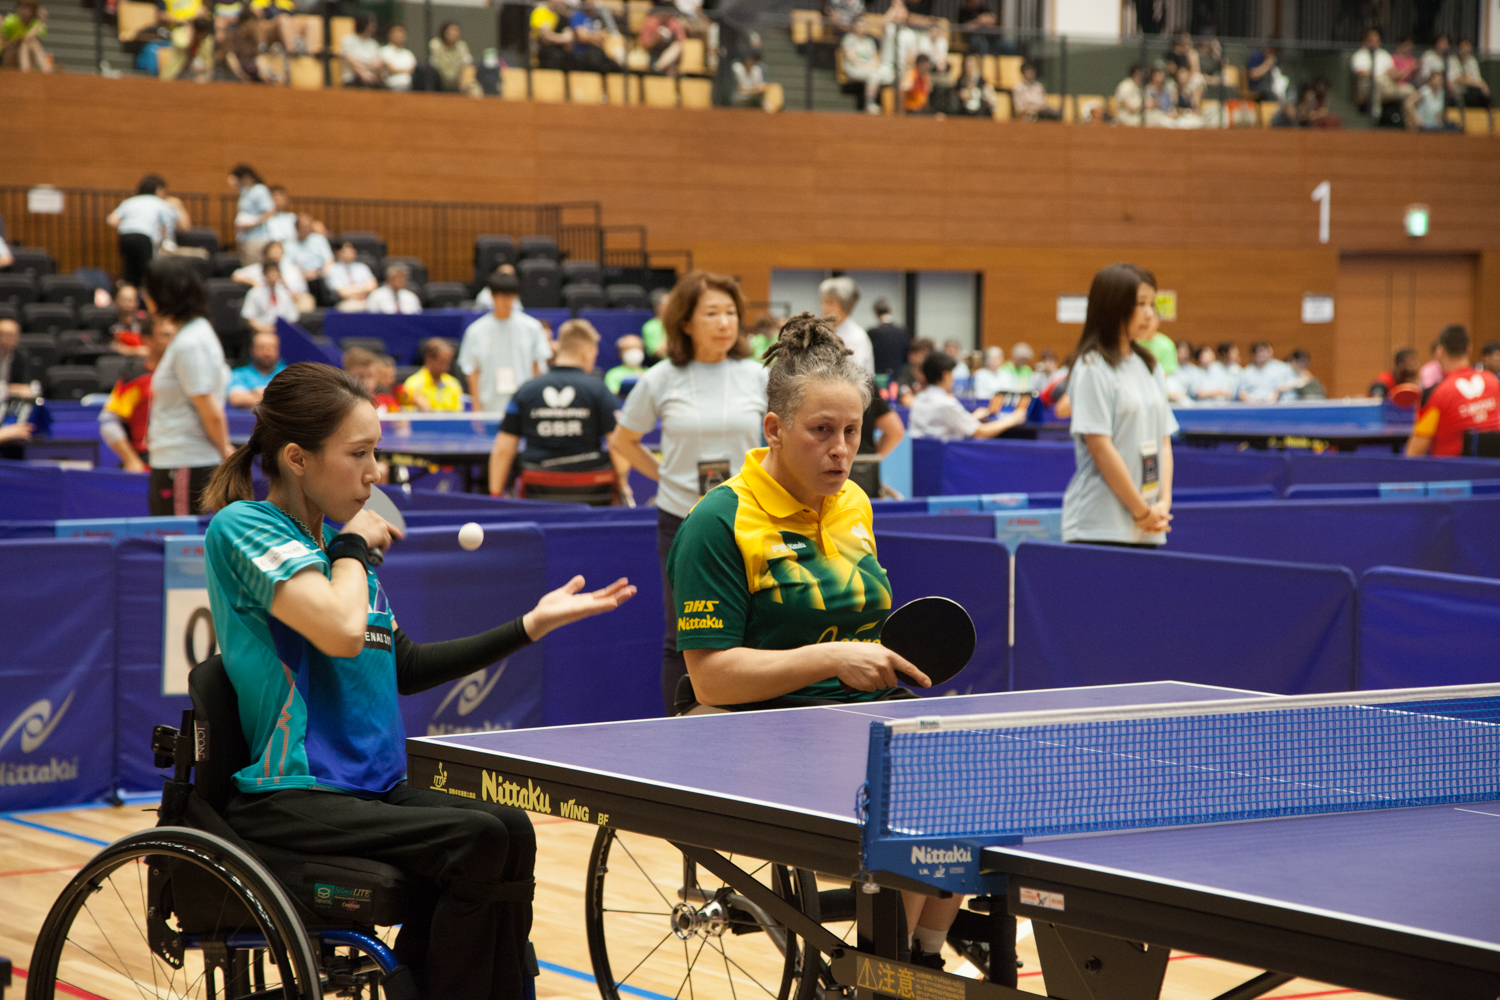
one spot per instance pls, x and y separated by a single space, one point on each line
471 536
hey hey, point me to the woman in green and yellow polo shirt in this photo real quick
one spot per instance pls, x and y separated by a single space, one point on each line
780 595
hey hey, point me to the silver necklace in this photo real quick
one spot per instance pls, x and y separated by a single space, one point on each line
298 522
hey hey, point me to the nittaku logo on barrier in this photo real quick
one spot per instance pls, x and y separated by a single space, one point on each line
35 724
470 692
937 856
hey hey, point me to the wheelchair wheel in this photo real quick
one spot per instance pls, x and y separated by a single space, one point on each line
172 912
656 921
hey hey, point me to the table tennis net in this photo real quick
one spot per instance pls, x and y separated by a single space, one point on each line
1129 773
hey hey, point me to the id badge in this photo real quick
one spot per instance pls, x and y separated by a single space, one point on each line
1150 471
505 381
711 474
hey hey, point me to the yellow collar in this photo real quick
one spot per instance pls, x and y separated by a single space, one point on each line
770 495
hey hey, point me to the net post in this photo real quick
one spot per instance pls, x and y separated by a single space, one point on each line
872 818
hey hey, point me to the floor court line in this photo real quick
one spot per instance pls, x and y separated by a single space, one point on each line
563 970
53 829
1477 812
41 871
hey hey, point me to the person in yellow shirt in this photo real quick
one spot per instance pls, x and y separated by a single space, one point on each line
431 388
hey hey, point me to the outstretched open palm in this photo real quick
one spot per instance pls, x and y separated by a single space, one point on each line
566 605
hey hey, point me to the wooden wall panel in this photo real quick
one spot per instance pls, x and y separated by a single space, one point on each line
1225 217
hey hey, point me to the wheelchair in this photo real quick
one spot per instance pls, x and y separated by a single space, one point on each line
190 909
709 939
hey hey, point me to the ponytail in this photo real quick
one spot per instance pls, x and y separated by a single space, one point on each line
303 405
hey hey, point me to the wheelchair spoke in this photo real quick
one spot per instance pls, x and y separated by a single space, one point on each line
643 913
648 878
621 982
112 948
743 971
155 985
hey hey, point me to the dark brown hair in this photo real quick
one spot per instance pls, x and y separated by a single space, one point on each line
683 302
302 405
176 288
1111 304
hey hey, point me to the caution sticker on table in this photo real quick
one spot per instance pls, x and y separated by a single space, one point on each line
1040 897
907 982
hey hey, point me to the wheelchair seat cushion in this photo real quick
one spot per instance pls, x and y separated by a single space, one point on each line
344 890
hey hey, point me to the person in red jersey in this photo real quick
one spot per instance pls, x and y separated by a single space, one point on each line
1467 399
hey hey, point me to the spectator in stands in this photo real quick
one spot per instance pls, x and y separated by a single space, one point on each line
652 333
21 34
863 63
1266 377
838 297
269 301
1019 366
845 14
387 388
909 379
632 364
954 350
449 55
916 87
281 226
1213 381
1426 106
711 402
126 416
1263 75
394 296
1028 98
1490 359
975 95
978 23
1182 382
662 35
1046 365
1181 55
130 322
1469 86
485 300
1159 344
551 34
564 415
291 275
255 209
309 253
1302 384
1435 59
935 413
359 54
1431 373
1403 372
241 50
1405 65
502 351
349 280
6 257
1188 87
888 341
15 376
1161 100
765 332
397 62
749 80
1467 399
188 433
187 29
1375 84
1312 108
367 366
431 388
991 380
1130 97
1122 427
594 29
248 382
146 222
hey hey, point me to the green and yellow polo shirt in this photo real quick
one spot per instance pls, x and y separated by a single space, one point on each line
751 566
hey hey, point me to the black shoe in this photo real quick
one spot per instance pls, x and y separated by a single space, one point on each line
930 959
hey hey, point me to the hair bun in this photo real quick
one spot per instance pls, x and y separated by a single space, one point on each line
806 334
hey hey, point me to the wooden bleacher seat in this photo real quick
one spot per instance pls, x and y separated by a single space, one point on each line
775 98
1233 78
659 91
638 11
807 26
1008 71
693 61
307 73
1267 112
550 86
314 37
1082 103
1002 106
513 84
617 47
989 69
1478 121
133 17
615 7
614 87
697 91
888 100
585 87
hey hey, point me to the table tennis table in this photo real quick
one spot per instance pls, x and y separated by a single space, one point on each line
1402 902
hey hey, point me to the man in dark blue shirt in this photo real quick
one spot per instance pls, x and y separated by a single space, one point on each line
563 415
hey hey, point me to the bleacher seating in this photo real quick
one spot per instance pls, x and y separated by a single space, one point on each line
582 295
366 244
225 263
533 247
444 294
39 350
225 299
78 347
114 367
202 237
17 290
368 343
582 271
627 297
8 311
541 283
97 318
489 253
47 317
71 381
416 270
33 261
65 288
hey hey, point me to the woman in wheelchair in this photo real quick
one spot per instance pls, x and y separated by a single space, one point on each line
781 597
317 662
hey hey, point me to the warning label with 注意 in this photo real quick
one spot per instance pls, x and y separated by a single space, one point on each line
905 981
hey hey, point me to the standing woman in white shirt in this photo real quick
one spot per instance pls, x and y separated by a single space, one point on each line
255 209
145 222
839 297
1121 491
189 435
710 396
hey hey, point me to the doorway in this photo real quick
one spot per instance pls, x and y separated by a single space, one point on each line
1385 302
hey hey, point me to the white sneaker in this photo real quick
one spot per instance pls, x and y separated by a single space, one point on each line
873 109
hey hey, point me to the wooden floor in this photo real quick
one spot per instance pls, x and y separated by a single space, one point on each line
36 863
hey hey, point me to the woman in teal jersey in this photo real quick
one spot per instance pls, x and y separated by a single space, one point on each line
317 660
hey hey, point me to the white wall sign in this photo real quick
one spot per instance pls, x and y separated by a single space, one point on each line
44 200
1072 308
1317 308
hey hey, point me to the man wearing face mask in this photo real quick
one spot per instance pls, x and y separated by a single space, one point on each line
632 351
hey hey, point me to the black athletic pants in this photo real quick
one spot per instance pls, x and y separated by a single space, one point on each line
178 491
135 254
673 666
472 947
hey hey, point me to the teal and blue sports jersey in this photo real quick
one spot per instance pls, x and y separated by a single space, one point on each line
311 720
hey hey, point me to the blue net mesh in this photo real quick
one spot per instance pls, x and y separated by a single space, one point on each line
1150 772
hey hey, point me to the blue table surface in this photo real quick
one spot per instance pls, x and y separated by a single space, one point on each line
764 756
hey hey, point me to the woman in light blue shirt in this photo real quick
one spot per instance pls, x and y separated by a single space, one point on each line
255 209
146 222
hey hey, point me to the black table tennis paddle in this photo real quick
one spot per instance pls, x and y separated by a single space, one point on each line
934 634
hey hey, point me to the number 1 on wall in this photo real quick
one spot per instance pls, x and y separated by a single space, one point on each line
1323 194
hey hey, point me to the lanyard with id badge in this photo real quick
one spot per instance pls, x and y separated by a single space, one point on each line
711 471
1151 471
